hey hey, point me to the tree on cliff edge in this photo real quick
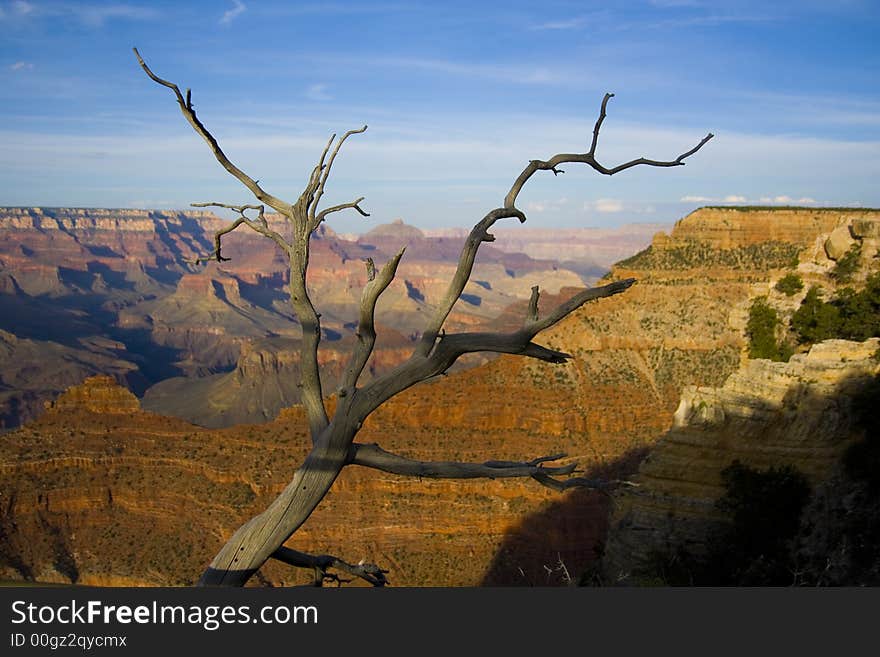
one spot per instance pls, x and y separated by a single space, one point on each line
333 448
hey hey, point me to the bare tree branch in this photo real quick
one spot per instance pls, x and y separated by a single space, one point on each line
189 113
312 389
451 346
598 125
342 206
366 331
479 234
532 313
589 159
603 485
373 456
260 226
566 308
324 174
322 563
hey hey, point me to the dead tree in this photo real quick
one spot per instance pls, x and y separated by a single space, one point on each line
333 447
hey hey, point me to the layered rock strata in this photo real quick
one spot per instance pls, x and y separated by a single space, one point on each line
767 414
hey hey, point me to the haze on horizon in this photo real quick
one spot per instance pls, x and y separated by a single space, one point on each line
457 98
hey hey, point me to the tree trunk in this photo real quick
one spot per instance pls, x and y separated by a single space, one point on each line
257 540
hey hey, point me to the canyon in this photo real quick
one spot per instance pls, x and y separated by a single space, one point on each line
119 292
98 491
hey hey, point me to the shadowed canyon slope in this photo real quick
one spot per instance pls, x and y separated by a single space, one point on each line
800 414
133 497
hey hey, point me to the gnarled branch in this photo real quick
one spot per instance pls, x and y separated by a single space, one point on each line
189 113
373 456
377 283
599 121
451 346
589 158
322 563
317 185
342 206
479 234
260 226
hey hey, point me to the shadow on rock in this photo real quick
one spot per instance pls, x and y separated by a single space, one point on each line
558 544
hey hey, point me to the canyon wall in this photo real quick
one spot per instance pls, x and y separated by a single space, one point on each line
767 414
119 292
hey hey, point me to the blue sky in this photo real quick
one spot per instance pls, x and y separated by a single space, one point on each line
457 96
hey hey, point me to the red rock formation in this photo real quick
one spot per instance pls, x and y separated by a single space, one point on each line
97 394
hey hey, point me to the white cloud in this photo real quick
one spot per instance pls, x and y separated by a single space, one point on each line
231 14
21 66
605 205
544 206
318 92
782 199
90 15
785 199
664 4
97 16
568 24
22 8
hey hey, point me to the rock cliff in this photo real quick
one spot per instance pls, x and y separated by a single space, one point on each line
767 414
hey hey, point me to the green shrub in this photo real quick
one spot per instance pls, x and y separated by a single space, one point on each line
850 315
848 263
761 331
815 320
790 284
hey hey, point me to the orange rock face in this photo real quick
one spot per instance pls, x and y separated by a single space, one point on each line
97 394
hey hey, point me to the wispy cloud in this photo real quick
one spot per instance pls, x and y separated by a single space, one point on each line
513 73
21 66
87 14
231 14
318 92
604 205
566 24
546 206
784 199
674 4
780 199
22 8
97 15
16 9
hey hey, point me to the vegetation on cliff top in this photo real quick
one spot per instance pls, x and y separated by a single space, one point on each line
785 208
689 254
